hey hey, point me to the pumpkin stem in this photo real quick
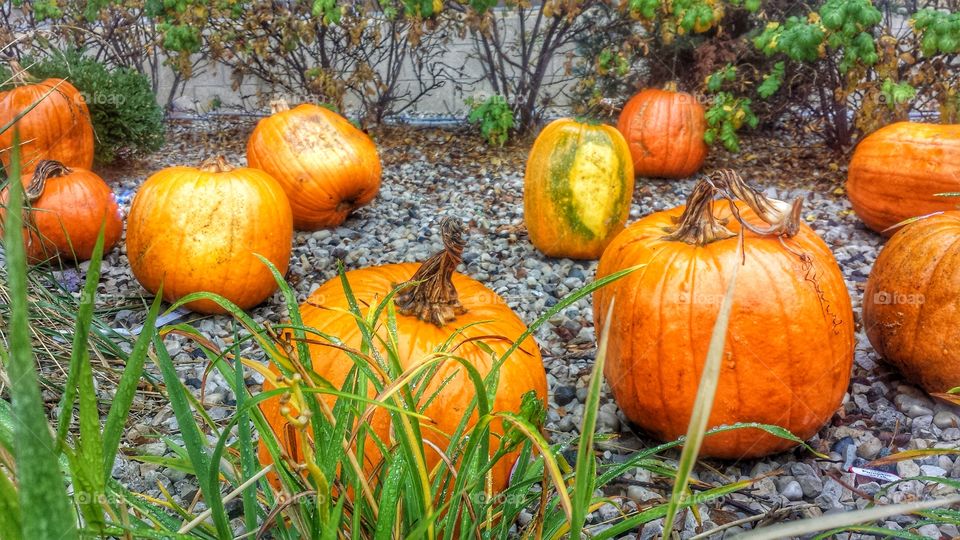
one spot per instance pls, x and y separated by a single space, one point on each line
46 169
216 164
698 225
432 297
279 105
783 217
18 75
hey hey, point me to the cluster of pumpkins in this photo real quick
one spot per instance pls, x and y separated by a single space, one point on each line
791 335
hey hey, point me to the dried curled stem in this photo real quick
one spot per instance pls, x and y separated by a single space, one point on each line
432 296
216 164
783 218
698 225
45 170
18 75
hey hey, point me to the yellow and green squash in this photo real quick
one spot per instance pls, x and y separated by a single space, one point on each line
577 189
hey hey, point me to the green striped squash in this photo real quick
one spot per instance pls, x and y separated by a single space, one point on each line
577 188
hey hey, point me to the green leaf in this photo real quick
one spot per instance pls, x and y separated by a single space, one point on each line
127 387
193 438
85 461
46 511
585 471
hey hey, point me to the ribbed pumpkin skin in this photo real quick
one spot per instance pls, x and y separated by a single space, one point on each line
66 219
522 372
896 172
196 230
665 132
58 128
577 189
911 307
327 167
789 351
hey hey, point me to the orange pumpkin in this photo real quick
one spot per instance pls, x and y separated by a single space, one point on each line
200 229
67 209
429 314
896 173
577 189
57 128
790 340
911 306
328 167
665 132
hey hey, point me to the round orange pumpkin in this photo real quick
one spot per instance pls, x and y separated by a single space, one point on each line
327 166
429 314
911 306
200 229
790 340
897 171
577 188
57 128
67 207
665 132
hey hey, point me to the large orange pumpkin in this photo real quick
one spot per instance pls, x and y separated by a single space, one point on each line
896 173
429 315
327 166
577 189
57 128
200 229
911 307
790 340
665 132
67 208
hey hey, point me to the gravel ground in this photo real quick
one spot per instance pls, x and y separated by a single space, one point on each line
430 173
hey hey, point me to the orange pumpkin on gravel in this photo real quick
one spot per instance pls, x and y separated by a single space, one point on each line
200 229
327 166
790 340
57 128
911 306
67 208
665 132
897 171
429 314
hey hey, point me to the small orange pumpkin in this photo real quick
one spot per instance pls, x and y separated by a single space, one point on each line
57 128
577 188
200 229
911 306
430 313
328 167
790 339
665 132
897 171
67 209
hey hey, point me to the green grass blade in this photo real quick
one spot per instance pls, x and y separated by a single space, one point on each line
585 476
700 416
193 439
803 527
10 516
46 511
127 387
248 464
85 460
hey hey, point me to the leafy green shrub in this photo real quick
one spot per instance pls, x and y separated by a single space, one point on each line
123 108
494 116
